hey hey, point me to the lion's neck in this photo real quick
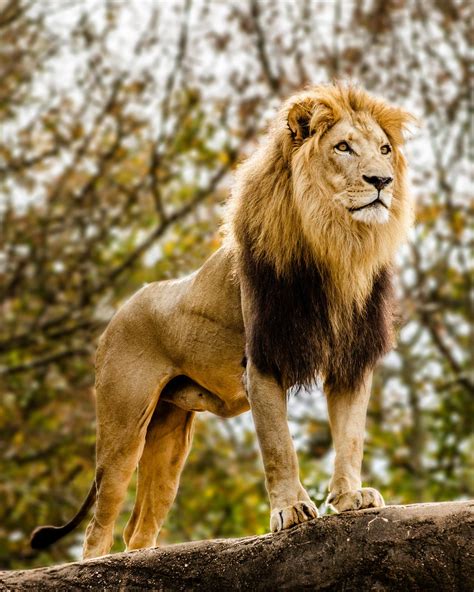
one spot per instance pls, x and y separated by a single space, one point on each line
351 262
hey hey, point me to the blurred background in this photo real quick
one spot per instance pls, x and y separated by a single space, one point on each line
121 123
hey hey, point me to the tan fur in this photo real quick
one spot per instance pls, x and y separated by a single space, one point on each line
176 347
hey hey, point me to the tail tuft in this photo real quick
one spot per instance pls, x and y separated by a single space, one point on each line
44 536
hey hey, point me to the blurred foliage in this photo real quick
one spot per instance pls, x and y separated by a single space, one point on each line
120 125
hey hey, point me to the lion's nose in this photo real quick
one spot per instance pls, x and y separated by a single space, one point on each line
378 182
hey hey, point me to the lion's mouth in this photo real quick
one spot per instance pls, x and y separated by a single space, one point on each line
376 201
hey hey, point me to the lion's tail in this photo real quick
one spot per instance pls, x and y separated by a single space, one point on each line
44 536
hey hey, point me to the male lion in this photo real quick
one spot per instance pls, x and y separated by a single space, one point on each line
301 289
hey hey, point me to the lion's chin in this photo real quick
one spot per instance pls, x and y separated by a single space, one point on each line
376 214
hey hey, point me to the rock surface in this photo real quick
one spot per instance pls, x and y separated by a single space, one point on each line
418 547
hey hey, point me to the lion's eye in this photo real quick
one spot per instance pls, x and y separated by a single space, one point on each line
385 149
343 147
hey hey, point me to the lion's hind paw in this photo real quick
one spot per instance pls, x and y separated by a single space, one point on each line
292 515
358 499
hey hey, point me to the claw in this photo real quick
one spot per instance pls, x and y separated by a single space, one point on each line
358 499
292 515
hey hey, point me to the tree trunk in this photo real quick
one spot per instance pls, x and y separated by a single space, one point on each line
419 547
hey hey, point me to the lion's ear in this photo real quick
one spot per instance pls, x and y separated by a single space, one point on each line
397 123
299 119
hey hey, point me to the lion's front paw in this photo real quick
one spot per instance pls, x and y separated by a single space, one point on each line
358 499
292 515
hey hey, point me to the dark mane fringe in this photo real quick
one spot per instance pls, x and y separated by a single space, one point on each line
291 334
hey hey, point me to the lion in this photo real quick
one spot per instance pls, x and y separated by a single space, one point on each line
300 290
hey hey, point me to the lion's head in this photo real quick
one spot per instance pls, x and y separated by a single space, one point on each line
328 185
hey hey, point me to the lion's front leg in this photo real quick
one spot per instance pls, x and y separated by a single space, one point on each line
347 416
290 504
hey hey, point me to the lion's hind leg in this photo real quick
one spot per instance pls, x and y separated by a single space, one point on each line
118 452
129 379
120 442
168 441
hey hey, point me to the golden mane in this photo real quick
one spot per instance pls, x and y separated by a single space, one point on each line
262 213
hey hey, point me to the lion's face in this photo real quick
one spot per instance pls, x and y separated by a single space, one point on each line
356 162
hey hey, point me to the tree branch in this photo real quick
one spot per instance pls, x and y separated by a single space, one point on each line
397 548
